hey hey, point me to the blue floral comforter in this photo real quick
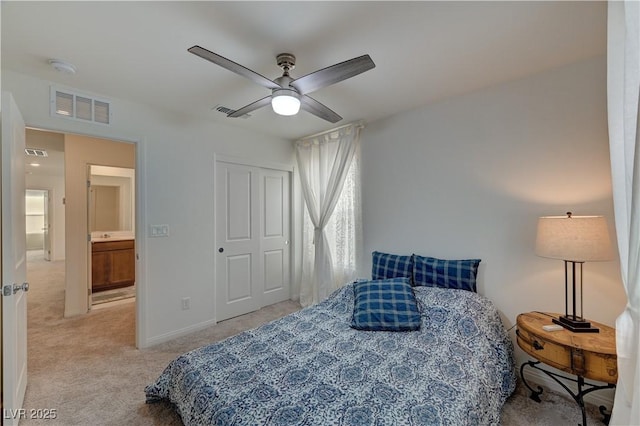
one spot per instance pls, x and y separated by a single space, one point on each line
312 368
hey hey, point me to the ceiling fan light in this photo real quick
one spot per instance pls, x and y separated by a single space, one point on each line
285 103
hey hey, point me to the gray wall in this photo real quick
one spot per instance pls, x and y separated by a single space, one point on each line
469 176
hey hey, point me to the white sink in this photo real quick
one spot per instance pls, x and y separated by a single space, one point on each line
111 236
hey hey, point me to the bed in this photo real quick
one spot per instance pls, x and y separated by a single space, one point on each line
312 368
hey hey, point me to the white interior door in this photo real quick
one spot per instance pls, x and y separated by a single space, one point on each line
275 229
238 268
14 271
46 227
252 228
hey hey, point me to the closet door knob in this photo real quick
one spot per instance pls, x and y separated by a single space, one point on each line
220 250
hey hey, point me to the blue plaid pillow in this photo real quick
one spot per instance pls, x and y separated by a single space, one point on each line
431 272
385 305
387 265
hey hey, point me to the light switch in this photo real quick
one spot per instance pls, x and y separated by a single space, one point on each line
159 231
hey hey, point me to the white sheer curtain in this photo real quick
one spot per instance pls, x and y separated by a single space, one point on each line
623 90
330 179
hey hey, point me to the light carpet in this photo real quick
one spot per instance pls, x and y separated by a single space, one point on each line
88 370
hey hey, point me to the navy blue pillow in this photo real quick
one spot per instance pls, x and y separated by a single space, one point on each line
432 272
385 305
387 265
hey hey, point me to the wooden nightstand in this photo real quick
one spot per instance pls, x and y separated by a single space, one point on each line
585 355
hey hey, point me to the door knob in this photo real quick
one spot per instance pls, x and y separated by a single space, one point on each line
8 290
23 287
220 250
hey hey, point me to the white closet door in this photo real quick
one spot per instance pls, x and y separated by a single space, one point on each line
252 234
238 264
274 244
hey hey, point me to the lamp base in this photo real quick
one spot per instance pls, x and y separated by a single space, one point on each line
575 325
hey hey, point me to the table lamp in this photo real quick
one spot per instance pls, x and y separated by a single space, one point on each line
575 240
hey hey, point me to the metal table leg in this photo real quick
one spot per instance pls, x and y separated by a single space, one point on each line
577 397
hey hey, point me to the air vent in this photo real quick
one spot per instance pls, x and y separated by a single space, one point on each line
78 106
227 111
36 152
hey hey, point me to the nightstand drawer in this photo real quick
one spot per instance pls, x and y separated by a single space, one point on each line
550 353
560 350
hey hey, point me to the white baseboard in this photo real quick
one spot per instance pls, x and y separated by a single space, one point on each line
152 341
600 397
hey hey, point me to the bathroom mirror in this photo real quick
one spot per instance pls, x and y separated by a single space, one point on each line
111 199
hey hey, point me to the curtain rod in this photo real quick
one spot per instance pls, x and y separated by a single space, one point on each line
357 124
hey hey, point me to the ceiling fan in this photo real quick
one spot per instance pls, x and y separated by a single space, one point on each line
288 95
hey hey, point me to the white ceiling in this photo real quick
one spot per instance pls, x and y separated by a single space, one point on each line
53 144
424 51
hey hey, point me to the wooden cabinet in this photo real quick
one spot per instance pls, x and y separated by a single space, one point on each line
112 264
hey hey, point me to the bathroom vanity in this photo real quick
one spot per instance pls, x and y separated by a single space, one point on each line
112 264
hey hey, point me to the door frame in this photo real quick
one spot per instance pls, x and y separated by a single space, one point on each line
48 231
89 244
251 162
141 222
48 213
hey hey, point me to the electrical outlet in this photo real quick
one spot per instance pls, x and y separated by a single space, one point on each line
186 303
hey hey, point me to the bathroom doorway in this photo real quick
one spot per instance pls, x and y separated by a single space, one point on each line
111 221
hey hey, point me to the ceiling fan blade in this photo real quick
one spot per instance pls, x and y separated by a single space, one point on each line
333 74
233 67
251 107
309 104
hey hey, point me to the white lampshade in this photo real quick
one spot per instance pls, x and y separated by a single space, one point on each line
574 238
285 102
